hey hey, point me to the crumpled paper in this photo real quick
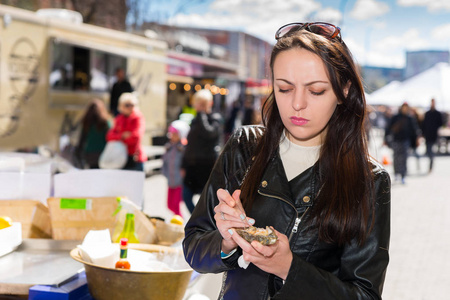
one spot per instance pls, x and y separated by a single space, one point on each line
98 249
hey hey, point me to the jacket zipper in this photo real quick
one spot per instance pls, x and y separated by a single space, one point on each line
296 224
297 218
222 289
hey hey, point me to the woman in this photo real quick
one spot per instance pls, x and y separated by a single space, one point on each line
95 125
129 127
308 174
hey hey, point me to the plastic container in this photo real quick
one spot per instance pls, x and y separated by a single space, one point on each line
10 238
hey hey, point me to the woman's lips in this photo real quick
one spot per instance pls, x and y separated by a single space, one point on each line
299 121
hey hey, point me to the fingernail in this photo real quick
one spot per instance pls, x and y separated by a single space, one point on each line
230 231
251 221
242 217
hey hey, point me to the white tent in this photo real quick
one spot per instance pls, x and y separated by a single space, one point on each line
417 90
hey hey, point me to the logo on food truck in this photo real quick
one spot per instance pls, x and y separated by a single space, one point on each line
23 66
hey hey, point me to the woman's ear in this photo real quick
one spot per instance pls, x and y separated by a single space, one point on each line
346 89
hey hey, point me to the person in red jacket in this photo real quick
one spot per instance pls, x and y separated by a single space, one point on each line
129 127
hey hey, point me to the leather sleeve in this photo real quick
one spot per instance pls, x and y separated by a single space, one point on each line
363 268
202 242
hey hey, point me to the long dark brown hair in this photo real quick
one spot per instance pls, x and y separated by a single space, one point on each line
96 116
342 209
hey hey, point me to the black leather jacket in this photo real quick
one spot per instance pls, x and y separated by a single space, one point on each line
319 270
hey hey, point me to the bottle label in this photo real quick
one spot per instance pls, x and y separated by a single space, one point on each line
123 253
70 203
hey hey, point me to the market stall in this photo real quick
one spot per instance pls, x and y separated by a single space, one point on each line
42 240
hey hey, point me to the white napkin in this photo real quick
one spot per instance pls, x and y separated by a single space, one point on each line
242 263
98 249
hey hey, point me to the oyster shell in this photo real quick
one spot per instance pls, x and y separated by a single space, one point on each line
265 236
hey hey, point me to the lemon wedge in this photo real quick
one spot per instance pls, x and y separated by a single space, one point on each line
5 222
177 219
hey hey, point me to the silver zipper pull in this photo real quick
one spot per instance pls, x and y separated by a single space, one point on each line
297 222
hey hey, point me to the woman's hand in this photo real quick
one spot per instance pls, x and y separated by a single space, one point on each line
275 259
229 213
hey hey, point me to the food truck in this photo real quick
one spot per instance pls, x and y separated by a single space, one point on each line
52 67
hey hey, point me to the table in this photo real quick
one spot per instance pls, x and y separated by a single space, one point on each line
37 261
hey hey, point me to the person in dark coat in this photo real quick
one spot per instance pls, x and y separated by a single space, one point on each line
202 147
430 126
122 85
402 130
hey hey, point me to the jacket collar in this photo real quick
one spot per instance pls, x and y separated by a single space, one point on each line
300 191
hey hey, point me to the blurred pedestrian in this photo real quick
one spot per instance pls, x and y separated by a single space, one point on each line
415 138
171 169
129 127
94 126
400 131
249 112
430 126
230 123
203 146
122 85
187 112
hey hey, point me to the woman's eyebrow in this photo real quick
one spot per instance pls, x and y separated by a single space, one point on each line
315 81
284 80
306 84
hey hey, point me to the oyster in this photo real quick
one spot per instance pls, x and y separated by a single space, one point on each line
265 236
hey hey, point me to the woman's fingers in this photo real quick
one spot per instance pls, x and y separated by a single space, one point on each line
238 205
231 207
224 196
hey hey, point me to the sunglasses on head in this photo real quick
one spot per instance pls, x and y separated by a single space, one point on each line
321 28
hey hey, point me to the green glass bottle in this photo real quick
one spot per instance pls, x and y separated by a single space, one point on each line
128 230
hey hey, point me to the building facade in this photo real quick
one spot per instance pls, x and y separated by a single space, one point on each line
232 64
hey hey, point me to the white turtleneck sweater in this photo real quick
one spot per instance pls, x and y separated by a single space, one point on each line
296 159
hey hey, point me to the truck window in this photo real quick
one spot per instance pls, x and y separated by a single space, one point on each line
61 75
83 69
99 77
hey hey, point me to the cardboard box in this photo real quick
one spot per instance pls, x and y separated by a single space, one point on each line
72 218
32 214
167 233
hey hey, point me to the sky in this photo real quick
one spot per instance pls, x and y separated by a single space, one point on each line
378 32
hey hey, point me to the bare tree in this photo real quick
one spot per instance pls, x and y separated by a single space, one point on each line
86 8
